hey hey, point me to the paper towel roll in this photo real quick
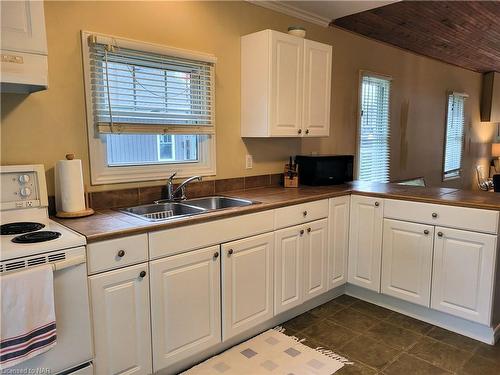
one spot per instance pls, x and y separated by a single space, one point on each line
70 195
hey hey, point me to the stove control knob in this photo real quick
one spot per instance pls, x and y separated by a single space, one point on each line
25 192
24 179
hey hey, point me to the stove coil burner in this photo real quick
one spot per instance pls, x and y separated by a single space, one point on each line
20 227
40 236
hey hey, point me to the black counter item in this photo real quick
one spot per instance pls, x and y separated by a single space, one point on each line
496 183
325 169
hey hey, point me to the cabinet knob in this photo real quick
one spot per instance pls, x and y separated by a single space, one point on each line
307 131
121 253
216 255
377 204
142 274
230 252
434 215
301 232
426 231
308 230
304 213
299 131
440 234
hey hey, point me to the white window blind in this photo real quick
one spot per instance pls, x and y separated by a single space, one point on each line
144 91
374 129
454 135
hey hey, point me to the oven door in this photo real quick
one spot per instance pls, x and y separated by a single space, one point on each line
74 343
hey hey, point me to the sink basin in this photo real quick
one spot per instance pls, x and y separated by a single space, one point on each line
163 211
218 203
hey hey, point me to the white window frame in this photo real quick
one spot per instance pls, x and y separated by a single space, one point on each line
158 143
100 172
363 73
458 174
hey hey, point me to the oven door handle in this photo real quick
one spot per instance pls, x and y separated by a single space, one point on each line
57 266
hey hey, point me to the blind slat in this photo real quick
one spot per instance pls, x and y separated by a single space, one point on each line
454 135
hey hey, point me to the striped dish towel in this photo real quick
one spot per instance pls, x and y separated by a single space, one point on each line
28 319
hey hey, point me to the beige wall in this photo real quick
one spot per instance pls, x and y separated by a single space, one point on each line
42 127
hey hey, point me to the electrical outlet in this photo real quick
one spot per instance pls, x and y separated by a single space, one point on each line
249 162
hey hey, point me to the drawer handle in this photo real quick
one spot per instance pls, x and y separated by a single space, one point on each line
230 252
308 230
121 253
434 215
299 131
142 274
440 234
301 232
377 204
307 131
426 231
304 213
216 255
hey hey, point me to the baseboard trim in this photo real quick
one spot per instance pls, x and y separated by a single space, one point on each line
273 322
464 327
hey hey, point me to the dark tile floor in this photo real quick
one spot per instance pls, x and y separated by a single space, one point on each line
380 341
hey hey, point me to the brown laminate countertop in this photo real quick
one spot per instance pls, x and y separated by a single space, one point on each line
107 224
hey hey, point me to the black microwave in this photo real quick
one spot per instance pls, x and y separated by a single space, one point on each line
325 169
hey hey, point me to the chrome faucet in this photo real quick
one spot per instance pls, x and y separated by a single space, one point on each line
171 193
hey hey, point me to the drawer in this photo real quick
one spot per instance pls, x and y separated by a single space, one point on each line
448 216
300 213
178 240
110 254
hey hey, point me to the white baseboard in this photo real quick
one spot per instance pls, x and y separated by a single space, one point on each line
464 327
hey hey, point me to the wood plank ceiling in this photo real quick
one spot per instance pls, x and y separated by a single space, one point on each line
462 33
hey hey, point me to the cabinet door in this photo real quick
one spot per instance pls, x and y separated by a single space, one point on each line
120 312
23 26
338 241
407 261
315 251
365 242
288 268
247 283
286 85
317 88
185 309
463 273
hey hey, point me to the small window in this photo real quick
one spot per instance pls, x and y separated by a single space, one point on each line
374 128
150 110
454 136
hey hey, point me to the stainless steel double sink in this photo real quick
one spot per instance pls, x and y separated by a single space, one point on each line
168 210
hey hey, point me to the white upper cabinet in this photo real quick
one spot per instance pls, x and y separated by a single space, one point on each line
285 86
23 46
365 242
185 305
338 240
407 261
463 273
247 283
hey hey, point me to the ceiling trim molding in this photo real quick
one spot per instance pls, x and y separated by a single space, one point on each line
293 11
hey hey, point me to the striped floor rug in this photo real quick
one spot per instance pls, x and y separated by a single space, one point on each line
271 352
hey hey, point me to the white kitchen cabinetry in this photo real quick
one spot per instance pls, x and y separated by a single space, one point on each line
300 264
247 283
23 46
365 242
185 305
285 86
121 321
338 240
407 261
463 273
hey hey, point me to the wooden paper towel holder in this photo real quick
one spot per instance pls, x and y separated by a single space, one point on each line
68 215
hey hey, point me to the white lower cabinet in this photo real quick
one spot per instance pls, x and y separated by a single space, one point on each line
463 273
338 240
185 305
300 264
121 321
407 261
365 242
247 283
